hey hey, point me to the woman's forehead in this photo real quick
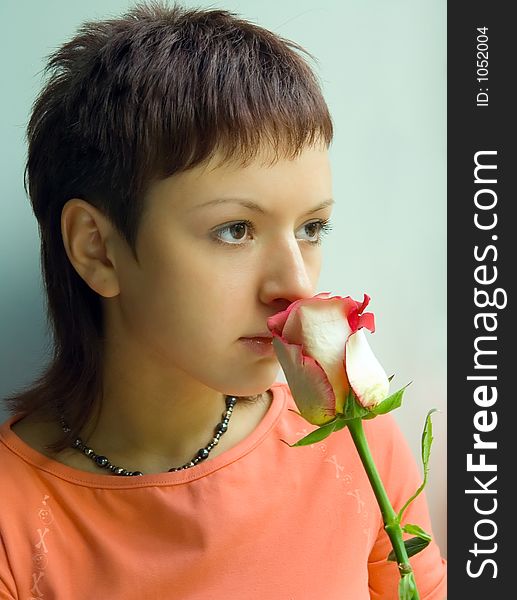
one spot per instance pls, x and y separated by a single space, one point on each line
310 168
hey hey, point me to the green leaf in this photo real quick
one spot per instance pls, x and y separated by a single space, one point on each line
416 530
407 587
427 440
413 546
319 434
391 377
390 403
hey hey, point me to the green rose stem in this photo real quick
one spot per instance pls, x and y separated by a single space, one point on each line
389 517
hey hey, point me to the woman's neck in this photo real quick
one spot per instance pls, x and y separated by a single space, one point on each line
39 434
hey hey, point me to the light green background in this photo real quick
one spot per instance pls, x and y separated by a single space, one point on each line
382 66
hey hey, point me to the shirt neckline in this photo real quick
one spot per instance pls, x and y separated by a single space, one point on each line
16 445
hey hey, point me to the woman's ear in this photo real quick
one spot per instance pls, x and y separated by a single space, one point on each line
89 239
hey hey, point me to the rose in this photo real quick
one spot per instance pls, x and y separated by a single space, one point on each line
336 382
324 353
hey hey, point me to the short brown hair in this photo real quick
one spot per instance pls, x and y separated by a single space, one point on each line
130 101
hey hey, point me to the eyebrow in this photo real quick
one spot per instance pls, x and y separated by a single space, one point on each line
256 207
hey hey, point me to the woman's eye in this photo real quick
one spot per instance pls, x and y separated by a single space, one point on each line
234 233
318 228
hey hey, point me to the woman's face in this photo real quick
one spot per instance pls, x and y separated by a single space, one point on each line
221 250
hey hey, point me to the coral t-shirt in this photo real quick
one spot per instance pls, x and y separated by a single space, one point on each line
261 521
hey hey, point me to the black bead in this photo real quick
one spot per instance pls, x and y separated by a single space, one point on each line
221 428
136 473
202 454
102 461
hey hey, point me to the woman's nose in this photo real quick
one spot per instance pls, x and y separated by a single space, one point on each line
291 273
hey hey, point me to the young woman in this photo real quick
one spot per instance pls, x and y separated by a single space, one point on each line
178 169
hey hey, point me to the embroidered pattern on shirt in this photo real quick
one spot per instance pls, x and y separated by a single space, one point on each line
40 550
346 479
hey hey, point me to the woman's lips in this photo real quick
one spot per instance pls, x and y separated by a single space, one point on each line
259 345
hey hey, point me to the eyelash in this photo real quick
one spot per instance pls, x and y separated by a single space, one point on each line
325 227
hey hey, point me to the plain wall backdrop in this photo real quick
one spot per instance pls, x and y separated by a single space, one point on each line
382 66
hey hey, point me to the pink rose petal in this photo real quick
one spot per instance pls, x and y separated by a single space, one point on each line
367 378
308 383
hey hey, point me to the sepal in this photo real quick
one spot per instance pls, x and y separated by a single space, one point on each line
352 408
320 433
390 403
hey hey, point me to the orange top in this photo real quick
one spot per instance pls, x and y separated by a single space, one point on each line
259 521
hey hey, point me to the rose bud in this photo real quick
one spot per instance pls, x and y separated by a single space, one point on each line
324 354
